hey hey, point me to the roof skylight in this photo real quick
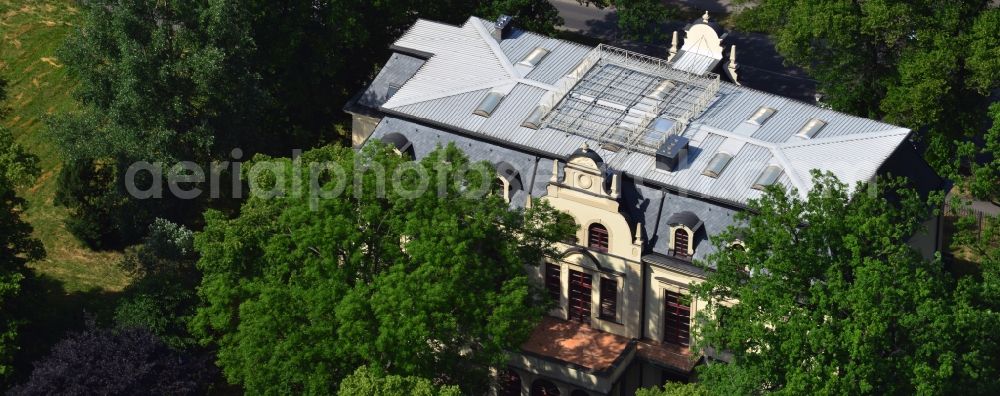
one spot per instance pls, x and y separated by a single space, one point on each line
717 164
662 89
768 177
761 115
534 120
534 57
811 128
489 104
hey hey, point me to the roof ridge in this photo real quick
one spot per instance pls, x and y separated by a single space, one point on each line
442 95
846 138
505 62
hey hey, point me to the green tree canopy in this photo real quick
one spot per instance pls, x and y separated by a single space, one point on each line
675 389
18 169
366 382
927 65
642 20
830 298
162 297
297 292
190 80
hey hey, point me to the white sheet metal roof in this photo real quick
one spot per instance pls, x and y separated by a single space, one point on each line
466 62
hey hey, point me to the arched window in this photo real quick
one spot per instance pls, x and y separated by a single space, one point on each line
543 387
682 242
510 383
597 238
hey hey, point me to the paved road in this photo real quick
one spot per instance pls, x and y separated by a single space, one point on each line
760 65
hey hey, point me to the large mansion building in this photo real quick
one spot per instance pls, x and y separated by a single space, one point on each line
651 157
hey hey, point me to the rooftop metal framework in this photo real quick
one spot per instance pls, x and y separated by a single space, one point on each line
615 101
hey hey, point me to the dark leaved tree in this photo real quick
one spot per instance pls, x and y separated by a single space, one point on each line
116 362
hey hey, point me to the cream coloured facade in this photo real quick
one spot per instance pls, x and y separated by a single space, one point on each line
650 157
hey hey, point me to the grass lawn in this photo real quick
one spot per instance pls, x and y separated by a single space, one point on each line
39 85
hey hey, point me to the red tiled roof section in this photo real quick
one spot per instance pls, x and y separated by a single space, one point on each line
575 343
675 356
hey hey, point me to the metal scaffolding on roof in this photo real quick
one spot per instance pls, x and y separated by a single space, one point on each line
614 101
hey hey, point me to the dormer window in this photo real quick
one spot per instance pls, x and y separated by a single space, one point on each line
534 120
811 128
761 116
535 57
489 104
500 188
717 164
597 238
768 177
391 90
508 181
683 228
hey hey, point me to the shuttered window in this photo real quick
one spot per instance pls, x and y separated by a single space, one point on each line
609 299
681 242
553 281
597 238
580 285
676 319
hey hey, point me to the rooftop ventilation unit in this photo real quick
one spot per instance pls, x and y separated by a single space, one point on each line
670 152
534 120
768 177
489 104
761 116
717 164
534 58
810 129
662 89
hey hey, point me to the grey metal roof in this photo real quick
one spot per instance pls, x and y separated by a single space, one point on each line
466 63
424 139
563 55
397 70
649 205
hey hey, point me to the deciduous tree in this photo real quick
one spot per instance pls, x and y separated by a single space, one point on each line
181 80
828 297
366 382
116 362
415 279
17 246
642 20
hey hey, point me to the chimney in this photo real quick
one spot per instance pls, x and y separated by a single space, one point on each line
673 47
670 152
501 28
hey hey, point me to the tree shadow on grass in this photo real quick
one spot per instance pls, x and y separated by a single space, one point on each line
50 313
